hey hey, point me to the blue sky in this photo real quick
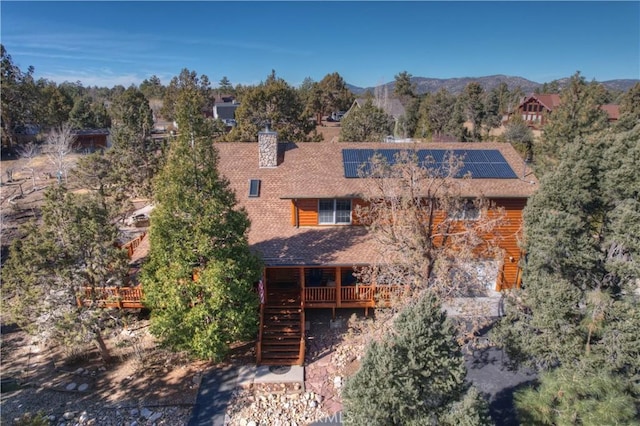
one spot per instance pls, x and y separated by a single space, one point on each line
109 43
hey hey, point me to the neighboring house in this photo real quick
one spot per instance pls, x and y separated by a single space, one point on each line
534 109
225 109
301 198
91 139
392 106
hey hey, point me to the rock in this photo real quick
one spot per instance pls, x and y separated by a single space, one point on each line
68 415
83 387
154 417
313 403
83 417
134 412
52 418
71 386
79 371
133 423
252 423
146 413
337 382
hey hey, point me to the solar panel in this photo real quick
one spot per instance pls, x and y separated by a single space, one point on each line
477 163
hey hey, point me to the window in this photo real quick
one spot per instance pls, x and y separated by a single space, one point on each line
467 211
334 211
254 188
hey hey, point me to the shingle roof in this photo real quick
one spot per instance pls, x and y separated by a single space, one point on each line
549 100
315 170
612 110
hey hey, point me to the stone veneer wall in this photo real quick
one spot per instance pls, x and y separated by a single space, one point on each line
267 149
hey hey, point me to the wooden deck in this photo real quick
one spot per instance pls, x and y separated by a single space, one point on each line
125 297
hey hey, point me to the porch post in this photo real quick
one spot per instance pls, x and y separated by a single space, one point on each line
302 286
264 284
339 286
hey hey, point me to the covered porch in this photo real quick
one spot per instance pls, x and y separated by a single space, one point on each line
330 287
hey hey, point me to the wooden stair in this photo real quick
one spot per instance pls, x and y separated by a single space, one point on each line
282 334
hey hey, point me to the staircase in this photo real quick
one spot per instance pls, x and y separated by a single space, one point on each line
281 340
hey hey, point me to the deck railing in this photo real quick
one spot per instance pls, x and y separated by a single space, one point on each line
132 245
111 297
358 295
319 294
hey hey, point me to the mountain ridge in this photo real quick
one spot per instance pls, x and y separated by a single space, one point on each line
456 85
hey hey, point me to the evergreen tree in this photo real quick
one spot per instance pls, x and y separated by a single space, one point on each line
186 80
366 124
152 88
18 98
127 169
474 108
578 116
578 395
335 94
403 88
200 275
630 109
578 303
415 375
274 103
75 246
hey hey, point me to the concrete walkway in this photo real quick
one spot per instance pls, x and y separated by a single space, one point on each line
217 386
214 394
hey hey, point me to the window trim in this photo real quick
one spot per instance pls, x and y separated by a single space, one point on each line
335 211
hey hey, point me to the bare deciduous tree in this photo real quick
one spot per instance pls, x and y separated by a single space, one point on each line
432 234
29 152
60 143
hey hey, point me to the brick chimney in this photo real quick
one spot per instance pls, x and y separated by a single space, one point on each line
267 148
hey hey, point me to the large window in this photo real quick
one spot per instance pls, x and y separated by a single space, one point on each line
468 210
334 211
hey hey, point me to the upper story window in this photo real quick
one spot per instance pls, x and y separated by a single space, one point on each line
334 211
467 211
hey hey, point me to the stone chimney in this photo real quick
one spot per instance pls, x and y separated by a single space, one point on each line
267 148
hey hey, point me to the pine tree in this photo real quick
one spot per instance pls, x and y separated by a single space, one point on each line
200 276
415 375
75 246
578 116
368 123
577 395
578 304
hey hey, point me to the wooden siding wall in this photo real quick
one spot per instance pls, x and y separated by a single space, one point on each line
511 233
307 212
508 233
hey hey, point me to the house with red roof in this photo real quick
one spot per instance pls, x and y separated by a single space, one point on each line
535 109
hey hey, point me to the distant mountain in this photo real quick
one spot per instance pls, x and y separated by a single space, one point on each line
457 85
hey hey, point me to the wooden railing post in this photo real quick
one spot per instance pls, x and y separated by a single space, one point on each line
259 344
302 288
302 339
338 286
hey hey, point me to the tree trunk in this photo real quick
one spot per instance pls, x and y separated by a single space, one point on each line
104 352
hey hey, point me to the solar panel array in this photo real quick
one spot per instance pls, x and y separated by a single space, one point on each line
477 163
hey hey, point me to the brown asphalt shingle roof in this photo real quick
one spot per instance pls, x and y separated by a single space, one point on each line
315 170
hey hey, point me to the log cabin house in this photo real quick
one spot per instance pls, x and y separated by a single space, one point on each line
535 108
301 200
